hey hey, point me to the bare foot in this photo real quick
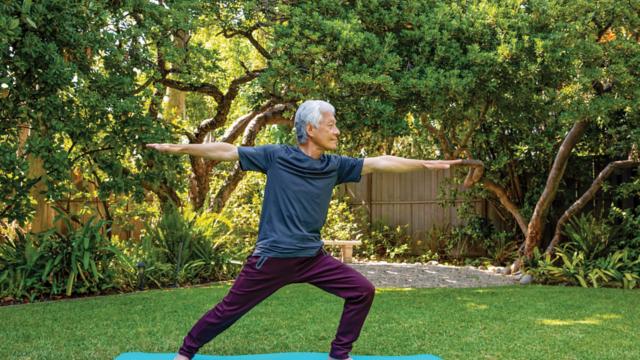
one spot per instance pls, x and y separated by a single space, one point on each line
181 357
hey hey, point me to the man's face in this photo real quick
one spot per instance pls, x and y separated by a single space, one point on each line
326 135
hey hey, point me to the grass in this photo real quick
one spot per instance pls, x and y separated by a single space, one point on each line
534 322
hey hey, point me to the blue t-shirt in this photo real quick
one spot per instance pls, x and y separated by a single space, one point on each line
296 197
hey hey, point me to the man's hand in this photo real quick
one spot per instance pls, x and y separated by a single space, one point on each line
436 164
168 148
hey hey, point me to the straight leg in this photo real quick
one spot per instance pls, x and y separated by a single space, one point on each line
252 286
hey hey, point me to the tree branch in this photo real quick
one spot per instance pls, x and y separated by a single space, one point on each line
587 196
224 106
202 88
268 115
439 134
250 133
507 203
471 131
248 34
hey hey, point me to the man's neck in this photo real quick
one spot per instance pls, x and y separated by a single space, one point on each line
312 150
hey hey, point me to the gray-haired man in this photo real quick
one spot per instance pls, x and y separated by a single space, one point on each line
300 180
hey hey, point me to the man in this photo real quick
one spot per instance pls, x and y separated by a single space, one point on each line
300 180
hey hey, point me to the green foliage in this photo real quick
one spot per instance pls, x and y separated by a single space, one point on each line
342 222
618 269
465 238
72 80
593 256
384 242
52 263
501 249
180 248
588 236
625 229
513 78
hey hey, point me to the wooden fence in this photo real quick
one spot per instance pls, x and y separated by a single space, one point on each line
84 209
410 199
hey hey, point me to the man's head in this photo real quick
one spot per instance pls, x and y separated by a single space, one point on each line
315 121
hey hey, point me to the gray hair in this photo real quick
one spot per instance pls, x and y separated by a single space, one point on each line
310 112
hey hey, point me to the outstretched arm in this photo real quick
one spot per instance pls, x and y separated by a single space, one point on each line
388 163
215 151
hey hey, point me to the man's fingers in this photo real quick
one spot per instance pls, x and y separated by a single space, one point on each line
436 166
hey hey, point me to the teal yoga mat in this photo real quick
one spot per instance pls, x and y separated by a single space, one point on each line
277 356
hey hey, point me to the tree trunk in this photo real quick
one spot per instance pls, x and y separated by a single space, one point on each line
537 222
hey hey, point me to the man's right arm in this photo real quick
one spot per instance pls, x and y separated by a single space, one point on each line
215 151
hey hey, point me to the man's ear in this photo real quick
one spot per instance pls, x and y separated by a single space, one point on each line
310 130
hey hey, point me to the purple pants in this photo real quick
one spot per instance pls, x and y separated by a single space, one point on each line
260 277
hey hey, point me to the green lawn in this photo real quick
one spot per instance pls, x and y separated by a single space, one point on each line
536 322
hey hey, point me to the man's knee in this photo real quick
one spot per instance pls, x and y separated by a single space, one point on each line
368 289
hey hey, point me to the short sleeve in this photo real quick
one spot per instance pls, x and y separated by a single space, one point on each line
349 169
257 158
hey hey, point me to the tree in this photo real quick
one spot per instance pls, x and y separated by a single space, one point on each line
68 72
512 84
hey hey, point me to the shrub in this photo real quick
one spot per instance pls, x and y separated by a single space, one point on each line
618 269
180 248
51 263
589 258
384 242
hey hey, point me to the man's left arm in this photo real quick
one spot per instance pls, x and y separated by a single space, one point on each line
395 164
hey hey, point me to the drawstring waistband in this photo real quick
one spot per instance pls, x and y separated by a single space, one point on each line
263 258
261 261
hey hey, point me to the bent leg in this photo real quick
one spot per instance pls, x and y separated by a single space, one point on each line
331 275
250 287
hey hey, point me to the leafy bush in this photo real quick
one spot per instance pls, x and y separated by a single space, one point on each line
625 229
344 223
478 238
618 269
51 263
501 247
588 235
179 249
384 242
590 258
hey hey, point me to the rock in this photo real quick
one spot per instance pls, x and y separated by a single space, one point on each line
508 270
499 270
526 279
432 262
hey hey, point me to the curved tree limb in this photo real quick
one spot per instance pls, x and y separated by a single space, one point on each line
587 196
202 88
507 203
250 133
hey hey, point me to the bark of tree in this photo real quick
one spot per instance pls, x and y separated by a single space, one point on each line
200 178
587 196
272 116
538 218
